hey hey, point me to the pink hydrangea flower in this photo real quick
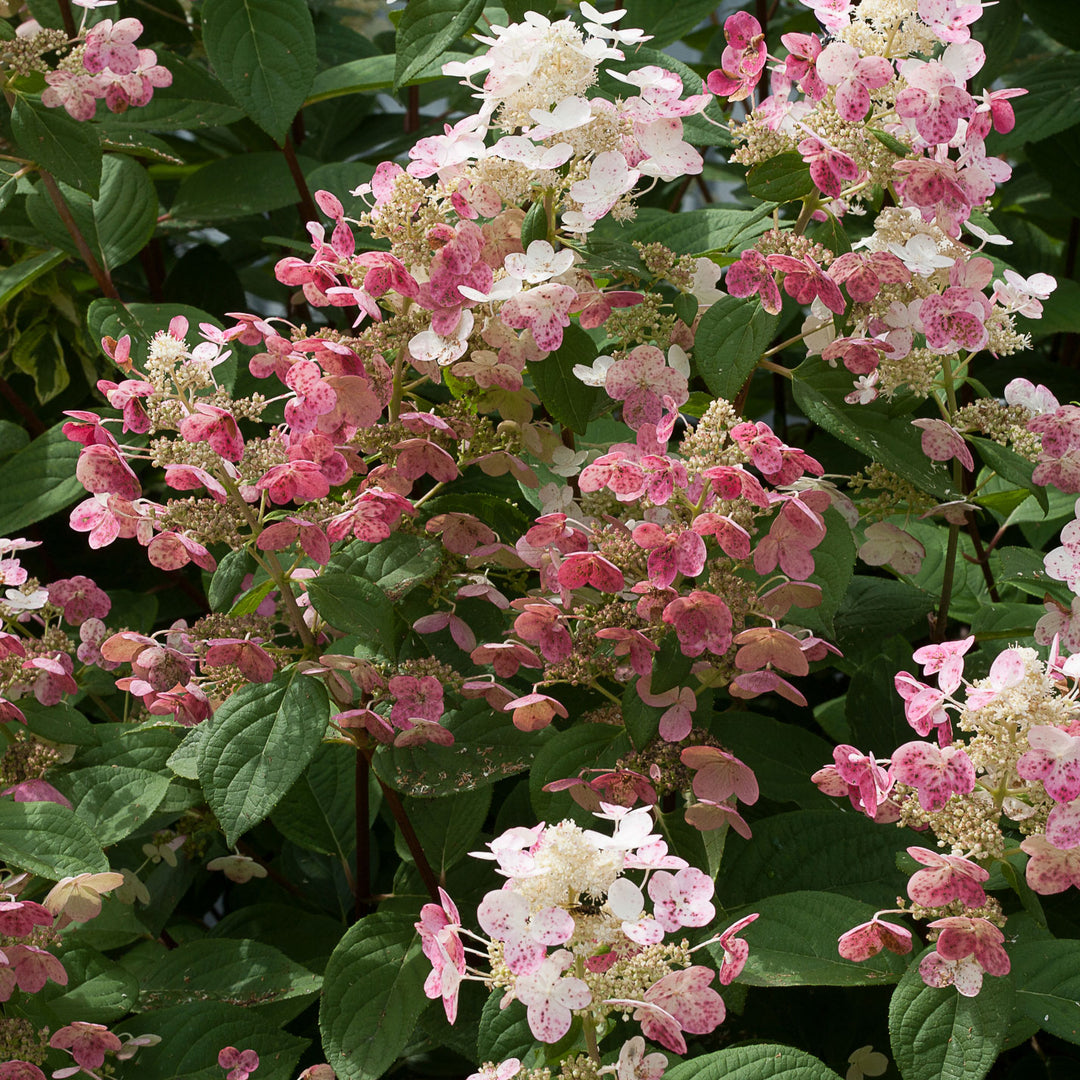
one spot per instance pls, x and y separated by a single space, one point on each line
1050 869
549 996
936 774
641 380
240 1063
752 275
948 878
87 1042
736 951
854 76
682 899
1054 758
743 59
702 622
868 939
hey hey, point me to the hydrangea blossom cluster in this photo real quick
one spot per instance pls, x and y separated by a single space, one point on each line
1007 783
882 101
28 930
656 540
105 63
571 936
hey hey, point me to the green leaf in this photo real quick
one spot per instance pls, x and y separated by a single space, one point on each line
834 565
642 722
15 278
354 606
730 339
891 141
236 186
503 1033
1050 105
371 73
447 828
227 579
535 225
48 840
844 853
793 943
99 990
318 812
114 800
373 994
671 666
562 393
239 972
695 232
194 100
1010 465
1047 978
486 748
1059 20
875 608
60 723
937 1034
871 429
667 23
264 53
184 760
193 1034
116 224
38 481
566 754
396 565
426 29
260 741
763 1061
781 179
65 147
782 755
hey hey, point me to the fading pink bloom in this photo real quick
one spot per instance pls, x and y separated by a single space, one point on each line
718 775
800 65
581 568
752 275
736 951
80 598
111 45
1049 869
505 915
240 1063
640 380
936 774
804 281
251 658
886 544
942 442
702 622
87 1042
19 917
1054 758
102 470
172 550
866 273
299 481
961 936
830 168
21 1070
216 427
75 92
950 19
933 99
868 939
948 878
34 790
533 712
